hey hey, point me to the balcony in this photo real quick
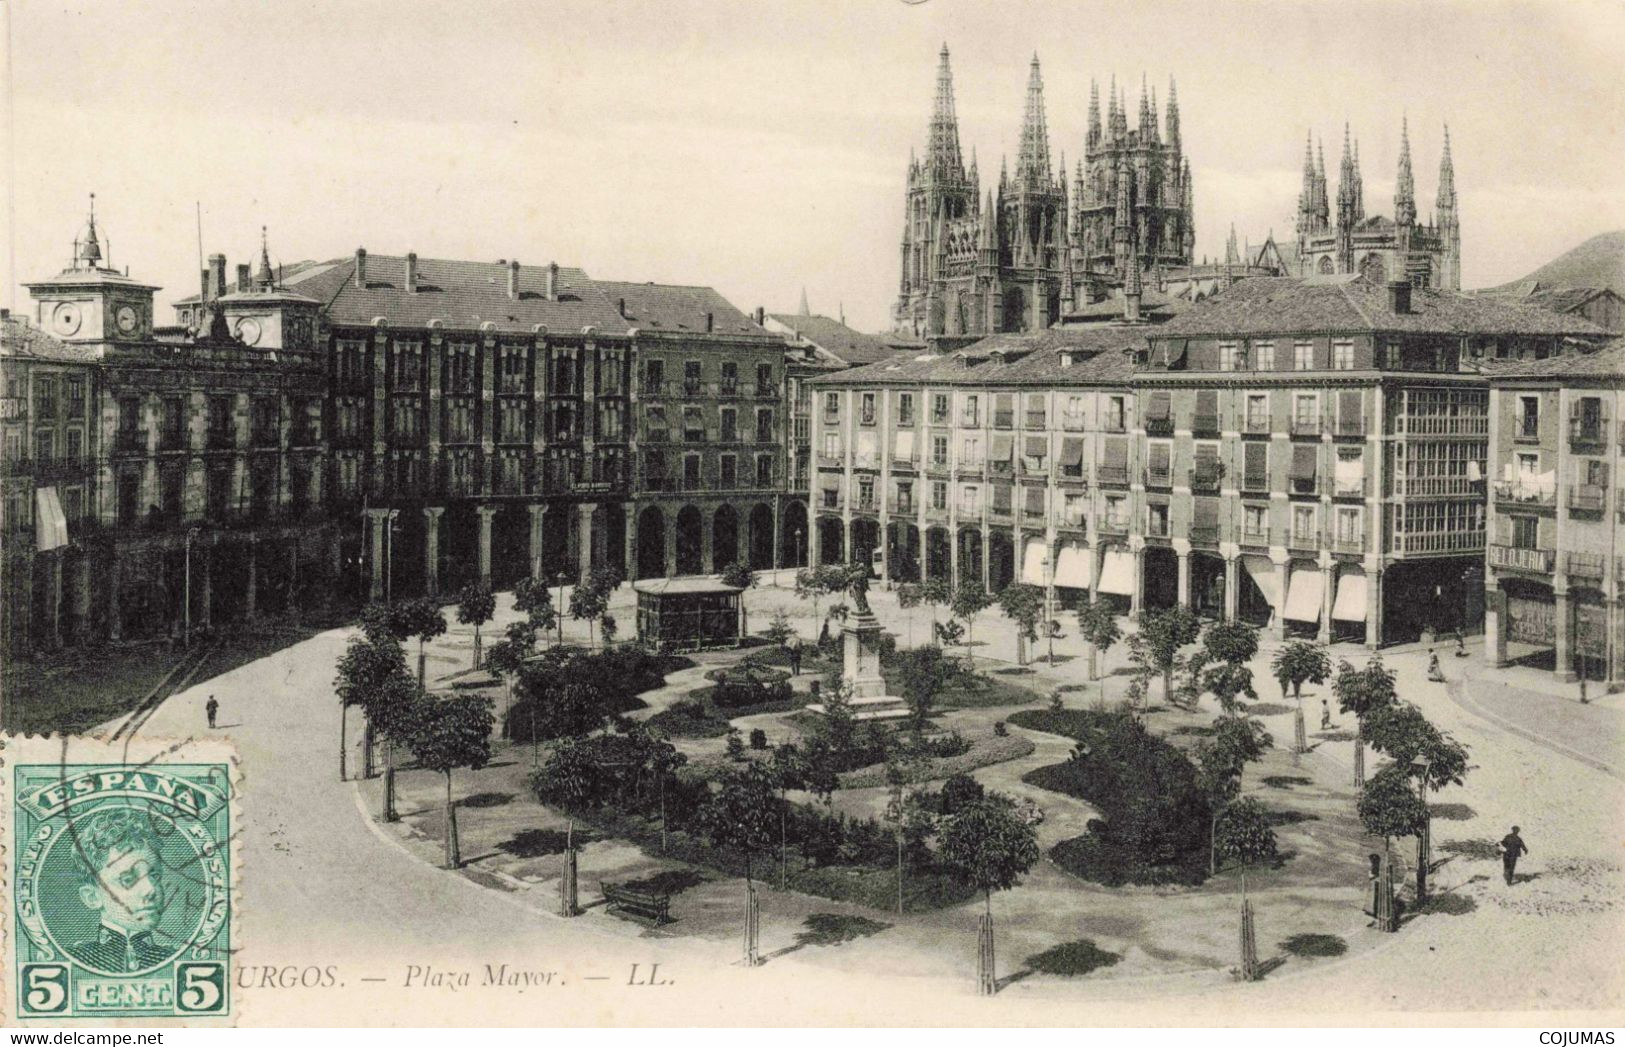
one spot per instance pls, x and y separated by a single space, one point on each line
220 440
905 465
1587 498
1003 513
1586 565
1206 480
1587 433
352 384
1525 494
1348 427
16 467
1442 542
767 392
1259 537
1540 561
304 436
1460 425
1071 519
266 439
13 408
127 442
903 506
692 387
1156 526
1112 474
344 439
1035 420
1309 539
409 439
1255 484
1072 421
1255 425
1436 487
728 387
1158 477
1004 419
1112 424
1112 525
60 467
1205 424
1354 544
172 440
1205 535
1163 426
1305 427
1526 431
1350 488
1072 476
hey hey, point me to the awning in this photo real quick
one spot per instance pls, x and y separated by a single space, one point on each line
1035 501
829 481
1072 451
1117 573
1351 594
1304 595
1032 561
1160 405
1003 444
1001 497
866 447
1072 566
905 444
1350 472
1303 462
50 525
1036 447
1263 574
1206 512
1114 453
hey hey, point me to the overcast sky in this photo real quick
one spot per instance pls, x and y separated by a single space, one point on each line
760 146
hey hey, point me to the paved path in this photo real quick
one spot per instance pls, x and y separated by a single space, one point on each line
1593 733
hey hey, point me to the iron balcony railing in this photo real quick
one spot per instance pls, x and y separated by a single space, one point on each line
1586 565
1206 479
1305 427
1516 559
1441 541
1112 474
1526 494
1156 527
1205 423
1347 543
1205 534
1348 426
1526 431
1158 477
1305 539
1588 431
1588 498
1256 425
13 408
1112 524
129 441
1163 426
1349 488
1257 536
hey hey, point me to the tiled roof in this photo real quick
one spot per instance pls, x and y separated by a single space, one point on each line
19 338
1606 362
1100 355
1286 305
462 294
1151 302
834 337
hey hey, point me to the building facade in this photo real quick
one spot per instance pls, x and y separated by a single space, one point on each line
1381 248
1557 520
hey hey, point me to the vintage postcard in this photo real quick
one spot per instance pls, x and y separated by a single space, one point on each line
862 513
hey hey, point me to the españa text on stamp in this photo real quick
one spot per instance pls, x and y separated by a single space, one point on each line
122 889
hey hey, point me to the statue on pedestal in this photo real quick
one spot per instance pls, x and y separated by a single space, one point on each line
858 585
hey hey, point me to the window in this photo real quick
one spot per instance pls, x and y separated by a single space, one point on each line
905 409
971 413
1115 414
1303 356
1072 413
1305 409
939 408
460 369
1036 411
970 500
693 425
1258 413
76 444
45 445
1343 356
764 425
905 497
764 379
764 470
1157 458
1227 356
970 452
1528 418
654 376
1391 356
1303 523
832 406
45 399
609 420
408 366
691 471
1255 521
730 472
654 422
939 495
730 377
76 398
866 409
609 374
1004 411
513 369
1525 532
1117 512
1072 509
730 426
1156 520
832 445
129 414
1348 525
691 377
866 492
1263 356
939 449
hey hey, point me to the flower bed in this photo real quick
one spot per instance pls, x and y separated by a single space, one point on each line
985 751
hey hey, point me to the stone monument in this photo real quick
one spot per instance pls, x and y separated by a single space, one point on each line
860 670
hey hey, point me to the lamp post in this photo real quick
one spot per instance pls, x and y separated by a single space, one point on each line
389 556
1049 602
186 607
1424 842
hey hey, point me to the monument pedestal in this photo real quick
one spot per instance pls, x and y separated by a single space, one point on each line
866 696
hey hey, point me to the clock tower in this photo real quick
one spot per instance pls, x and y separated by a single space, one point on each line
90 301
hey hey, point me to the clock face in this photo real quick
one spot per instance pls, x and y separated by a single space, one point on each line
248 330
66 318
127 318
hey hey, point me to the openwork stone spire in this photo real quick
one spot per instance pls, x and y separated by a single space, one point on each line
1032 163
943 154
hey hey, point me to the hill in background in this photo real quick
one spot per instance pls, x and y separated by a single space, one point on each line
1599 262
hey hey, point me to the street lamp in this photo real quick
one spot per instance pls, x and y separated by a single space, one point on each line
1424 843
389 556
186 608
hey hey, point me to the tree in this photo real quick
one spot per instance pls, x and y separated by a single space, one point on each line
1155 647
934 593
507 656
1229 647
738 575
421 619
1243 834
1389 807
369 662
386 620
568 696
448 734
1221 760
989 847
779 630
1300 662
970 600
739 816
535 601
789 772
475 606
1097 624
815 583
1421 750
588 603
390 709
910 823
1361 692
924 672
570 779
1024 605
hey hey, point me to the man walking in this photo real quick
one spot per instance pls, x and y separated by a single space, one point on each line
1325 715
211 707
1512 847
795 654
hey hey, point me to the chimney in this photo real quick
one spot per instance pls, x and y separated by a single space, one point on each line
217 275
552 281
513 279
710 322
620 308
203 284
242 276
761 315
411 272
361 268
1399 296
1131 307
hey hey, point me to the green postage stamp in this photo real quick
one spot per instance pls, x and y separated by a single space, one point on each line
120 872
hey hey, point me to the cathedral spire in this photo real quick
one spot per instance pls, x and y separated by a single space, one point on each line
804 311
1147 131
942 155
89 250
1306 195
1447 179
1231 255
1093 140
1032 163
990 227
1359 186
263 279
1345 184
1171 122
1405 186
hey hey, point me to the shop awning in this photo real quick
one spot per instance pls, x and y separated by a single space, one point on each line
1159 407
905 444
1349 605
1032 561
1303 462
1117 573
1072 451
1072 566
50 525
1304 595
1263 574
1003 444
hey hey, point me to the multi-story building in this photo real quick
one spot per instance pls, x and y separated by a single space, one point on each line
1311 453
185 465
1397 248
494 420
46 456
1003 460
1557 513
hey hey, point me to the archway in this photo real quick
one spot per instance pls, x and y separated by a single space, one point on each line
761 537
651 543
690 540
510 546
556 528
793 535
831 541
939 554
903 552
970 556
865 540
1161 578
724 537
1207 585
611 523
1325 267
1001 561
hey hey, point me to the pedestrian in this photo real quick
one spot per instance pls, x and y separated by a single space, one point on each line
1325 715
1461 644
1512 847
211 707
795 654
1434 672
1374 881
